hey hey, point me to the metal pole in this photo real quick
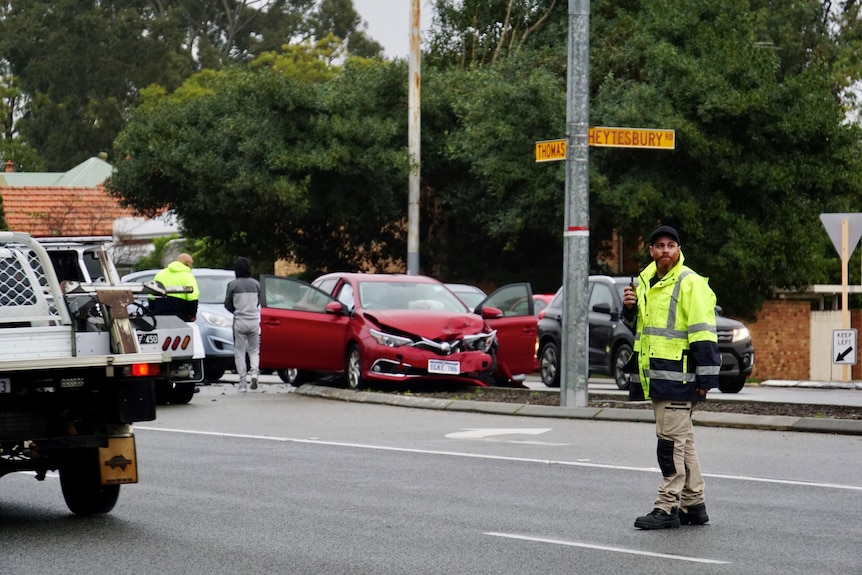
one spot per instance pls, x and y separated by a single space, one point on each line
576 241
845 290
413 142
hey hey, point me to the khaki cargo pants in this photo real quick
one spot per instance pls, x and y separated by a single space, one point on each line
682 483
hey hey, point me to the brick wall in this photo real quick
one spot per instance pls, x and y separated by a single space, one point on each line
781 340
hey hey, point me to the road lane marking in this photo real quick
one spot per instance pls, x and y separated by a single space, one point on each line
493 457
613 549
483 432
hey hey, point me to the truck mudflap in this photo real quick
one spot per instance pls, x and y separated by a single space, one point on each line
118 462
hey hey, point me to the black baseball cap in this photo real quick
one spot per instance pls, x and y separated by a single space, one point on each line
664 231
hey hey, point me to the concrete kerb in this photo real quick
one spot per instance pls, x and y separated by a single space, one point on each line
703 418
812 384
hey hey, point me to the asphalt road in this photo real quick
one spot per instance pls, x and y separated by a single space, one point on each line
273 482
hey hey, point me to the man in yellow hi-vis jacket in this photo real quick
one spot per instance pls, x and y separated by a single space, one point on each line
178 274
675 363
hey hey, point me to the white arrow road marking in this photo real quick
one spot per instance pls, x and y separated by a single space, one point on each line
485 434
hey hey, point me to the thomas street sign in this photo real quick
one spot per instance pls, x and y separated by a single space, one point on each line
552 150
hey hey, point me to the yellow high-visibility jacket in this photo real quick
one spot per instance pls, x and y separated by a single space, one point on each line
676 345
179 275
184 305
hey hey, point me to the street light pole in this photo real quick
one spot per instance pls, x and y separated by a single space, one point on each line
415 77
576 241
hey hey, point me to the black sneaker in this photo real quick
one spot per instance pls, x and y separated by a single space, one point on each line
696 515
658 519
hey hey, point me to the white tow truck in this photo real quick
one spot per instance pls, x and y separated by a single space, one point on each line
73 379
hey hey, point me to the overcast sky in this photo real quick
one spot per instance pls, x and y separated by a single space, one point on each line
389 23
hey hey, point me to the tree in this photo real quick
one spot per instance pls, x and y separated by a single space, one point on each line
751 89
339 18
480 32
79 66
261 162
490 210
296 158
763 145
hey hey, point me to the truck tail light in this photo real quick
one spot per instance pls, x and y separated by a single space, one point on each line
145 369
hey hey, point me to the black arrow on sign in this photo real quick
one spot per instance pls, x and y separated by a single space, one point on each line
844 353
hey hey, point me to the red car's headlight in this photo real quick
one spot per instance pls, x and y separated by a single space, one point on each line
480 341
388 339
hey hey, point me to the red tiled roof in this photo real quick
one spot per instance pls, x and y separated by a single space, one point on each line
52 211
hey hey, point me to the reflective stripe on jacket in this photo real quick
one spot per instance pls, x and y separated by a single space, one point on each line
179 275
675 339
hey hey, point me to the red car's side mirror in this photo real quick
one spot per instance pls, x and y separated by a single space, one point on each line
489 312
335 307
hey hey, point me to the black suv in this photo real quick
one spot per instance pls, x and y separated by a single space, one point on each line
610 341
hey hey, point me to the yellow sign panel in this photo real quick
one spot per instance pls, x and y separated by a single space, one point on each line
632 138
550 150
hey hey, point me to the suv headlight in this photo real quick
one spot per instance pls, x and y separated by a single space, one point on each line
216 319
741 334
389 340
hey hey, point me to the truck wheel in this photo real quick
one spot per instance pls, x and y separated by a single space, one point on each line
182 393
164 390
734 385
82 488
213 374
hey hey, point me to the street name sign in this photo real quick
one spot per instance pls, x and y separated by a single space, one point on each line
844 346
632 138
550 150
553 150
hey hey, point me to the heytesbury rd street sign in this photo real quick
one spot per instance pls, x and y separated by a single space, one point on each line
553 150
632 138
844 346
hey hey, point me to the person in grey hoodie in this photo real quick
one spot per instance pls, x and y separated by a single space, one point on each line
243 300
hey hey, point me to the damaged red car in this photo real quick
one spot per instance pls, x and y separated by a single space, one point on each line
394 328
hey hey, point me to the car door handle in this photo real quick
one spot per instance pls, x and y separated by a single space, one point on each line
271 322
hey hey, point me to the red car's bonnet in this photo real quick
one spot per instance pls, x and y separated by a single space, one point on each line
426 323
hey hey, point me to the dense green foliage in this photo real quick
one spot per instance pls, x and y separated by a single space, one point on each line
78 66
300 150
762 149
270 166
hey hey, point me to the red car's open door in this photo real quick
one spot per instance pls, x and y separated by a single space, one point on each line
300 326
516 328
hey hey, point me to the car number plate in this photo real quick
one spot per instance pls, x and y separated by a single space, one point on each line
5 385
148 338
444 367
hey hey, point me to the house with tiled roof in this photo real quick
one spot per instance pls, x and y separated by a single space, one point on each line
72 203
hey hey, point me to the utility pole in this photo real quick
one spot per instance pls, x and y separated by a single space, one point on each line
576 240
414 131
